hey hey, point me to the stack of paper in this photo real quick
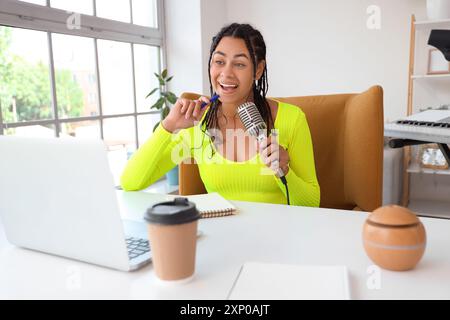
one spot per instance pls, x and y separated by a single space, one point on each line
262 281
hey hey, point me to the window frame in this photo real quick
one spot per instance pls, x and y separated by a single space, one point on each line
25 15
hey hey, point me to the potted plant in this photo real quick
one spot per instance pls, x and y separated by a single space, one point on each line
167 98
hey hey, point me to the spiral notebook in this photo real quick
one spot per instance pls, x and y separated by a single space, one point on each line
210 205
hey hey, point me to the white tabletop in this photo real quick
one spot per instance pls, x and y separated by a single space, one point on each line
260 232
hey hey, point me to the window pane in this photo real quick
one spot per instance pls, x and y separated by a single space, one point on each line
119 137
24 75
80 6
76 82
41 2
81 129
145 13
115 10
146 63
116 79
146 123
47 131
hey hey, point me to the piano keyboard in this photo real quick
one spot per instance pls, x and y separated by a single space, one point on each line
424 124
430 125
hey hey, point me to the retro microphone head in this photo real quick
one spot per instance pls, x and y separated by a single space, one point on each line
252 120
254 124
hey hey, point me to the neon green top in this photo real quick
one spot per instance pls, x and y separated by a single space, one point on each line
249 180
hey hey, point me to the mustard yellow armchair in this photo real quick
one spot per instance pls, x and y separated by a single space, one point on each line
347 135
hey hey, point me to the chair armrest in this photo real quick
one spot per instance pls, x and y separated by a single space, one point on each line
363 149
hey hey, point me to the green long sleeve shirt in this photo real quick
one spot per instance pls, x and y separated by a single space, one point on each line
248 180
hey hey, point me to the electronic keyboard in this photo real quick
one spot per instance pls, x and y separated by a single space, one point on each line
430 126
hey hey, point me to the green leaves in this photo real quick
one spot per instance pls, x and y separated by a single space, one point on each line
156 126
158 105
166 97
162 82
171 97
162 78
165 111
151 92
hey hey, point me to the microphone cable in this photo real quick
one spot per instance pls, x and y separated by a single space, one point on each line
274 133
283 179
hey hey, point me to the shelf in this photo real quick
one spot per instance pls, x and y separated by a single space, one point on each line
430 76
430 24
424 89
430 208
416 168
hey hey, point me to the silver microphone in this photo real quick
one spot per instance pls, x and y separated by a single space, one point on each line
254 124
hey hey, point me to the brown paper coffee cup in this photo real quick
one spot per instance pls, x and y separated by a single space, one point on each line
173 250
172 229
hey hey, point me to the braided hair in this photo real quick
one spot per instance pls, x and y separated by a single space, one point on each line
257 49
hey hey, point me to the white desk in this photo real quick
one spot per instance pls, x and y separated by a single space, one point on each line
261 232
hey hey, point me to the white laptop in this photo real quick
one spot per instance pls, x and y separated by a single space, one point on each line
57 196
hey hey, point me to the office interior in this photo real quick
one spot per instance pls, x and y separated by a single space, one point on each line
84 69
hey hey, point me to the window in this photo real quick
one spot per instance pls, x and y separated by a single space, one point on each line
81 68
116 76
145 58
144 13
120 11
26 87
80 6
74 65
40 2
92 99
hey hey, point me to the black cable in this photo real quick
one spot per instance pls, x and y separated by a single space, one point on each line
283 179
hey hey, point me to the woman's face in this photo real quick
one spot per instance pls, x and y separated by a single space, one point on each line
232 71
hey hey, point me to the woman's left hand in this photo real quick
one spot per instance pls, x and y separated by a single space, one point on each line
273 155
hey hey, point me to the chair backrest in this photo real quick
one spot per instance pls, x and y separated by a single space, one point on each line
347 135
189 180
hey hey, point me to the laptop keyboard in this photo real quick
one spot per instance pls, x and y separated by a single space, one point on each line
137 247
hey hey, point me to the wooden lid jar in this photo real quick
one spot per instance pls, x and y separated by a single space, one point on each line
394 238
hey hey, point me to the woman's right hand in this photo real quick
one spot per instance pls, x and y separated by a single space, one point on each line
184 114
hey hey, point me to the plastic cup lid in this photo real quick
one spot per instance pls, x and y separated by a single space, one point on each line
178 211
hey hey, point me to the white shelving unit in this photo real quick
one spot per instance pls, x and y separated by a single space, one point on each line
424 91
431 77
432 24
430 208
416 168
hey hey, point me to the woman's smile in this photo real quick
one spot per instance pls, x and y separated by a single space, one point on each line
227 87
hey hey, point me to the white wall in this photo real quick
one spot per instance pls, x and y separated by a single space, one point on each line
190 26
184 45
314 47
213 13
324 46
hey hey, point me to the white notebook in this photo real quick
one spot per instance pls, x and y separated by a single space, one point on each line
210 205
265 281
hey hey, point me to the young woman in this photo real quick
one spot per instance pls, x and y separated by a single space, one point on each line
230 161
